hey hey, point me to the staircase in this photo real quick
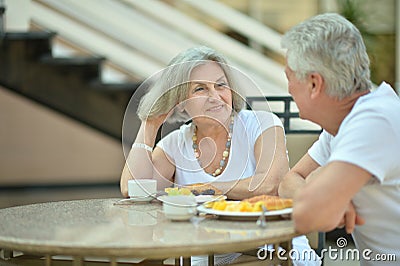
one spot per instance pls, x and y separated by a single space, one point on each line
140 41
71 86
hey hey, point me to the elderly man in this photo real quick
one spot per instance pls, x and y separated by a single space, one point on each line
351 175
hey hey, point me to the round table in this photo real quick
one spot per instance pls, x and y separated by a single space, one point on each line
99 227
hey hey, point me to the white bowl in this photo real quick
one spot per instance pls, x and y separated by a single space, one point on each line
179 207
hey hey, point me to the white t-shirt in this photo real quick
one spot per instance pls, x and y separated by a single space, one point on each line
247 127
369 137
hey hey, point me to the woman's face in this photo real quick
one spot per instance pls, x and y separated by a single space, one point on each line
209 93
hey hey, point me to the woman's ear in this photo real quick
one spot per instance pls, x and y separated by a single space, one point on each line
317 85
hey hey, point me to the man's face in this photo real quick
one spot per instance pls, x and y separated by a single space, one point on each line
298 90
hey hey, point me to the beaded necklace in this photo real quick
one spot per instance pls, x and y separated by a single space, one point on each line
225 154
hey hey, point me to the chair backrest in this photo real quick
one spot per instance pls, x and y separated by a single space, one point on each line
300 134
288 113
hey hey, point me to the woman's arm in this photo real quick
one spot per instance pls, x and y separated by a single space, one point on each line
272 165
144 164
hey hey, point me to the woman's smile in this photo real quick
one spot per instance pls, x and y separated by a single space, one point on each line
215 108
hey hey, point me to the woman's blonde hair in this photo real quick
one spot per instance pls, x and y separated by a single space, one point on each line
171 85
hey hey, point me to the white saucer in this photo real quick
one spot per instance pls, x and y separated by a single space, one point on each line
135 199
141 199
179 217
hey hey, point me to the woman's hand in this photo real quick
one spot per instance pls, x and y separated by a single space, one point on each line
149 128
155 122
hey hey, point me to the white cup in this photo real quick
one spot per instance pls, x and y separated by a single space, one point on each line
142 189
180 207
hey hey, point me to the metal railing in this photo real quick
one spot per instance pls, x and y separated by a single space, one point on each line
286 115
2 11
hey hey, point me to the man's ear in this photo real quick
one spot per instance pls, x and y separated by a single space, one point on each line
317 85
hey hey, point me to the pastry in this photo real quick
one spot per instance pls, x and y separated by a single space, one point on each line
271 202
203 189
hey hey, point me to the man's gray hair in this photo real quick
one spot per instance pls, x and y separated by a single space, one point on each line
332 46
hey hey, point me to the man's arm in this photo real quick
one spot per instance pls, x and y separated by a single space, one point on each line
323 202
295 179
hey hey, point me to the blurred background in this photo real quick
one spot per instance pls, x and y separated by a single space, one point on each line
68 70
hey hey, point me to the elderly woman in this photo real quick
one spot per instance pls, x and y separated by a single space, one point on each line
239 152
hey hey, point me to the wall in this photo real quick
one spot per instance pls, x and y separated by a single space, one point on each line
17 15
40 146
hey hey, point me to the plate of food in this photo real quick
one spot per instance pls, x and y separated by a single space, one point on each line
249 208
